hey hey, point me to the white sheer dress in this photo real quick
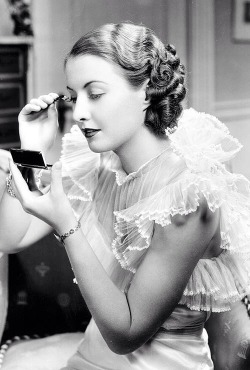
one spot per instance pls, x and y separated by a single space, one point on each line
118 213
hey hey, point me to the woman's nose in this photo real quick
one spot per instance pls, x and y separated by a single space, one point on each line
81 112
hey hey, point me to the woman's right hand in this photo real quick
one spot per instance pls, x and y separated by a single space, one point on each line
38 123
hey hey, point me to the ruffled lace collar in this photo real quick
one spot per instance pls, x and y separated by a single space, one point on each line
122 177
118 221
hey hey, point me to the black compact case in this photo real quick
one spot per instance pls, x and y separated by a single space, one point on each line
29 158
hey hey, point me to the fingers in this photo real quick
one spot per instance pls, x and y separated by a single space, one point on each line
20 187
4 163
53 95
21 190
40 103
5 154
29 108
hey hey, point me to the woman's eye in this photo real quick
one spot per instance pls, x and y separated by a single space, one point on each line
73 99
95 96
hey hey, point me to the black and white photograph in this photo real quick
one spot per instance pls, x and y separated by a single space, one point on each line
124 184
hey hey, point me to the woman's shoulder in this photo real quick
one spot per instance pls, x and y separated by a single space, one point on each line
203 141
202 214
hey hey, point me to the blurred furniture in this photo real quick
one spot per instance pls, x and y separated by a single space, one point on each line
229 338
3 272
39 291
14 84
43 299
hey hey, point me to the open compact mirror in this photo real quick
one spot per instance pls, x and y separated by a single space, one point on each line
29 158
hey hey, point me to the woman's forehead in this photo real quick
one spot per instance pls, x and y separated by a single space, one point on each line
84 68
91 64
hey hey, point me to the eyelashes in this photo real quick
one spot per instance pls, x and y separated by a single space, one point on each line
72 99
95 96
64 97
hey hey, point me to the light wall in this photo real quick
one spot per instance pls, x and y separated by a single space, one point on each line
6 25
232 82
59 23
232 67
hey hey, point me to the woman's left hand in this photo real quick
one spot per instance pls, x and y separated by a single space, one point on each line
4 156
53 207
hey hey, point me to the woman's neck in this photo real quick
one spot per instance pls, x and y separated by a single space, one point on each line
141 149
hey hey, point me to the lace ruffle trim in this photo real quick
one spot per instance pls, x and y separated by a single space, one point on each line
79 166
216 283
134 225
203 141
205 144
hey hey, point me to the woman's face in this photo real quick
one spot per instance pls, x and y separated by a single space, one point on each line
108 109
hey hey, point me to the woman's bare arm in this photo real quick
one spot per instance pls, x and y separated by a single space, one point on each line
18 229
128 322
37 129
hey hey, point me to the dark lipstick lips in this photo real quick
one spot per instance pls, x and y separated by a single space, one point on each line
89 132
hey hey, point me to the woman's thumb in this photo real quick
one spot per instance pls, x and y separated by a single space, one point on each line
56 177
52 111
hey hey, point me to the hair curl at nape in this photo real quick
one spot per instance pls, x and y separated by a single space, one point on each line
142 57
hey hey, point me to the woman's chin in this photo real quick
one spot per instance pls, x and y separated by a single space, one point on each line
99 147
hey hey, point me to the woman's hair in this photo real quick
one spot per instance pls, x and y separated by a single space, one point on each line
141 55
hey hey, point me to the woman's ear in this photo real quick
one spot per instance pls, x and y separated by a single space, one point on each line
144 87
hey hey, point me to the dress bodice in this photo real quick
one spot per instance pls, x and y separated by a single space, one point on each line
119 210
185 321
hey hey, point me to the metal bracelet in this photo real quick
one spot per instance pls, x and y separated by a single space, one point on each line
61 238
9 187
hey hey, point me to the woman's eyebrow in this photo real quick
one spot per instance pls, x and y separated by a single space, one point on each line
87 84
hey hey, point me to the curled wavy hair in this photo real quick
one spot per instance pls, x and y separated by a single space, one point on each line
142 56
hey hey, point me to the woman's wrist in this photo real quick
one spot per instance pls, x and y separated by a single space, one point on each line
67 227
62 237
66 222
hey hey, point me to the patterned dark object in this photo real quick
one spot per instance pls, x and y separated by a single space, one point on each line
42 296
20 13
229 338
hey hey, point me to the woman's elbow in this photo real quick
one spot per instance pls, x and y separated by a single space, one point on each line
124 346
121 350
8 248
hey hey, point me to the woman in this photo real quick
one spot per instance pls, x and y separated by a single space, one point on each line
151 218
4 156
65 123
